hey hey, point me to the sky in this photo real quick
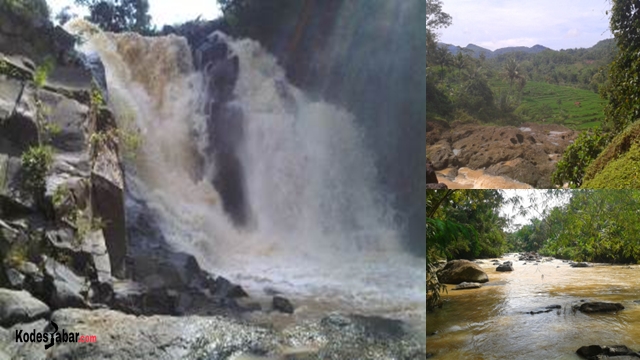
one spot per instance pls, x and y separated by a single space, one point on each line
163 11
556 24
535 202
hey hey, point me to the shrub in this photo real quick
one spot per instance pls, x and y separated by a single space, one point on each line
35 164
577 157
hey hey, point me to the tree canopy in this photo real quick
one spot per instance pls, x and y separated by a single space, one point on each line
119 15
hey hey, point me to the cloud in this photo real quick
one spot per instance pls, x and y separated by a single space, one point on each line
552 23
572 33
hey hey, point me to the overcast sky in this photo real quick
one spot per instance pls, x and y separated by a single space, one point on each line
164 11
557 24
534 201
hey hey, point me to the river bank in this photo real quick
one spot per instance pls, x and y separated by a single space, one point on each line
494 321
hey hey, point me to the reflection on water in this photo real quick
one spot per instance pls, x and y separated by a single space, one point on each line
490 322
465 178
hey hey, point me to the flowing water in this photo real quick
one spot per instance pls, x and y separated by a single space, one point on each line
319 231
466 178
492 323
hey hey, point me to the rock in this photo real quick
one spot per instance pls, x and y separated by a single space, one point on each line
431 173
123 336
20 306
504 267
282 304
457 271
528 154
604 352
439 186
65 288
580 264
467 285
107 196
593 307
221 287
546 309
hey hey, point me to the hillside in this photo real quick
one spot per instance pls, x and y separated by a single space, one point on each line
475 50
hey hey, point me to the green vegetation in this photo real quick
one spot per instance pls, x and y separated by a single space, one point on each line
42 72
118 15
29 10
577 157
35 165
461 224
595 225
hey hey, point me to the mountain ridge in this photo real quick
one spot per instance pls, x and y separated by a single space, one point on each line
476 50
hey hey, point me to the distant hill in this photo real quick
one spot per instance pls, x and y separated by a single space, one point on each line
475 50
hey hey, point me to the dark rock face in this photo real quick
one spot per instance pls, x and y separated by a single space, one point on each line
224 121
282 304
458 271
20 306
66 288
593 307
431 173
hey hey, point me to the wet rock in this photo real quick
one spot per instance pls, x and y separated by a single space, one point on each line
467 285
282 304
545 309
439 186
580 265
593 307
221 287
20 306
458 271
65 289
618 352
505 267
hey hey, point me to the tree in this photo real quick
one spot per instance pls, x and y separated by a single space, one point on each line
513 74
436 18
623 106
119 15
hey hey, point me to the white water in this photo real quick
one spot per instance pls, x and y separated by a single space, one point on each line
319 227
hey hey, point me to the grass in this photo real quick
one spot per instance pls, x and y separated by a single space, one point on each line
556 104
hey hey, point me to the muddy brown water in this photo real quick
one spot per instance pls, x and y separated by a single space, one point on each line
490 323
477 179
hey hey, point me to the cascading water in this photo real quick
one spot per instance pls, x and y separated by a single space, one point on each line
315 225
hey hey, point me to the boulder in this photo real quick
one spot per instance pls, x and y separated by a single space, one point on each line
20 306
467 285
504 267
604 352
65 288
593 307
282 304
580 264
458 271
438 186
221 287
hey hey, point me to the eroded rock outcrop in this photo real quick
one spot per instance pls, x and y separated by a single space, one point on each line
527 154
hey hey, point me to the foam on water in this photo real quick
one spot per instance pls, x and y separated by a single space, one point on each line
320 227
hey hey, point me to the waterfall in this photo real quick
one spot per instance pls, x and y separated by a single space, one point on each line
313 224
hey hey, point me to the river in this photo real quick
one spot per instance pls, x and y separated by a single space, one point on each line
490 323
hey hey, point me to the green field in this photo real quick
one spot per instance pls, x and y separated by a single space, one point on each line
548 103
